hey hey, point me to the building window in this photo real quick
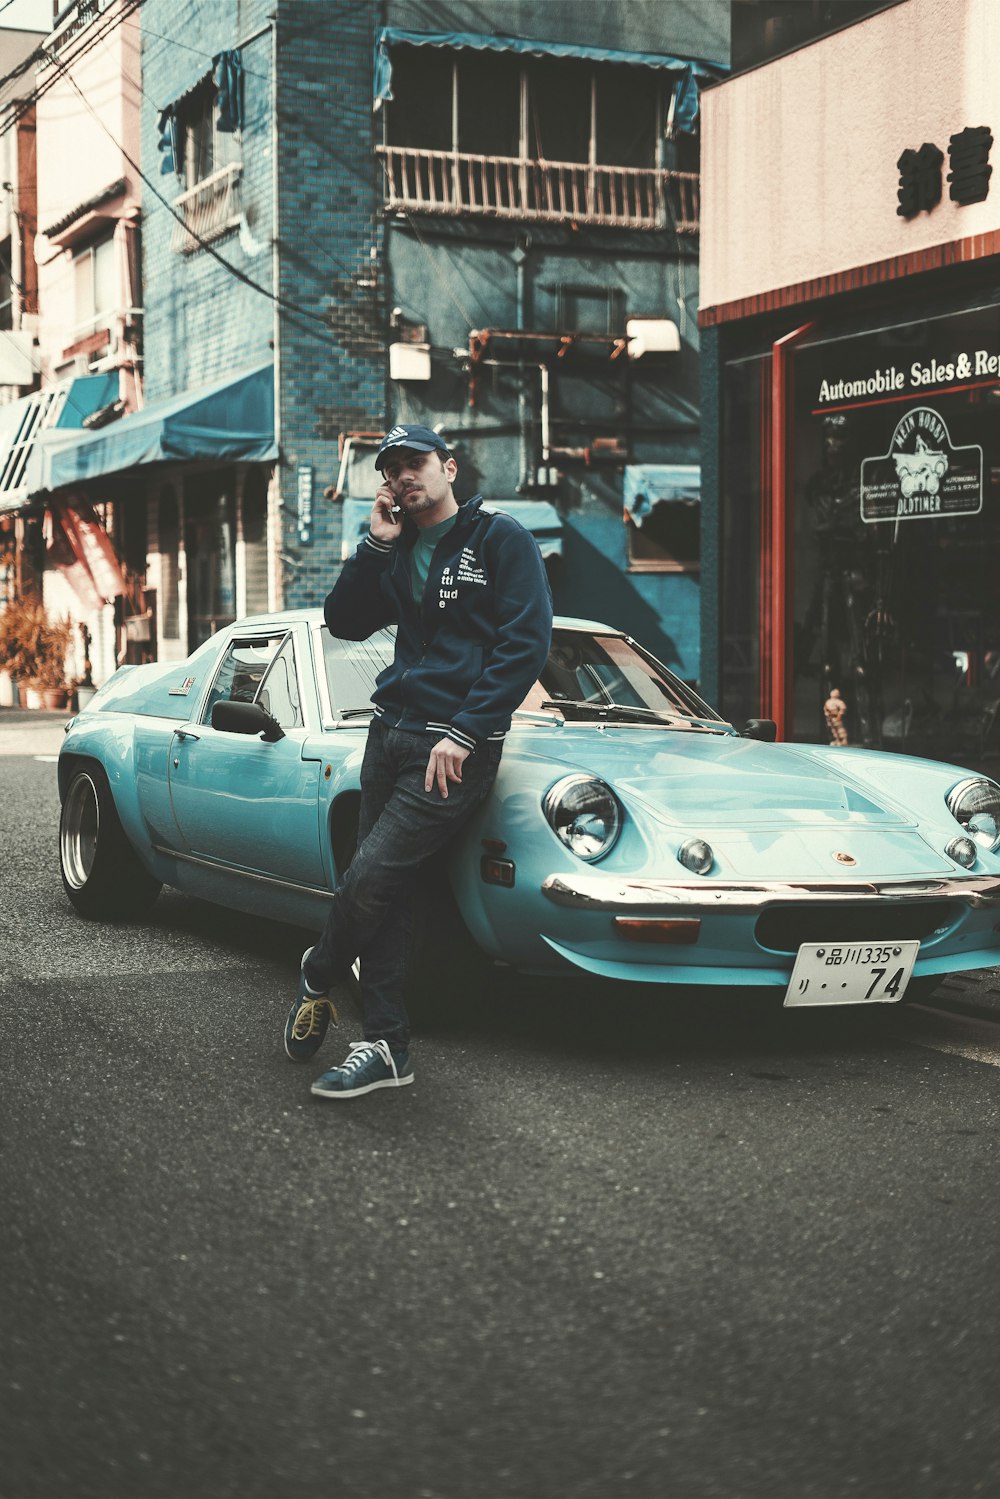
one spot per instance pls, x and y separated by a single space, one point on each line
663 517
562 141
95 285
668 540
208 159
205 149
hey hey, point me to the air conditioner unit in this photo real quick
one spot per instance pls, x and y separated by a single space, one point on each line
409 361
652 336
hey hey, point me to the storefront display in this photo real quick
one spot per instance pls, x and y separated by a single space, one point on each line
892 538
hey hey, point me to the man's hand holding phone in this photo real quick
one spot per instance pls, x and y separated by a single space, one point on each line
386 521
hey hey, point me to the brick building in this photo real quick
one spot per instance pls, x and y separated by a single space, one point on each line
351 217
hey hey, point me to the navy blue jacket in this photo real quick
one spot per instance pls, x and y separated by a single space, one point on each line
468 652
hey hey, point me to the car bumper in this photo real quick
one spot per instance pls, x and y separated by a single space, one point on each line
603 892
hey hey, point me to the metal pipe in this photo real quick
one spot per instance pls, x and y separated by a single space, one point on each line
544 371
520 259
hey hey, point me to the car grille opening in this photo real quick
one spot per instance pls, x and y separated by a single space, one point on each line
785 928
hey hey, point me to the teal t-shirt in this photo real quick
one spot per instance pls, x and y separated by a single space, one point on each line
423 551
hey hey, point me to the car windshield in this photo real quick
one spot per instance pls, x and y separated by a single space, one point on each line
352 667
604 678
588 678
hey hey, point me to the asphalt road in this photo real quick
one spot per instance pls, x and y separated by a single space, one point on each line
600 1248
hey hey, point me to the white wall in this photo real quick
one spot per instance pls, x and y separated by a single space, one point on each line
799 174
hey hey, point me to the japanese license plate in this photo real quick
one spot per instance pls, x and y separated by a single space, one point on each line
855 973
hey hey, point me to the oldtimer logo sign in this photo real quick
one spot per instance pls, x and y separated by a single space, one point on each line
842 858
923 474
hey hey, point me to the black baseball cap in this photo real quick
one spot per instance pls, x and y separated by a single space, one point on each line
420 439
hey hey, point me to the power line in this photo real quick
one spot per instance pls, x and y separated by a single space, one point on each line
274 297
200 52
92 36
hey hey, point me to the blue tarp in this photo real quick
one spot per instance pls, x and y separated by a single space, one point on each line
229 422
645 483
537 516
689 71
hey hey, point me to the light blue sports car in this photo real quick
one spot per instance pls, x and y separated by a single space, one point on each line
632 833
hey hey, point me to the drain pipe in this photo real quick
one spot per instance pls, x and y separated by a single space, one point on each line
543 370
520 257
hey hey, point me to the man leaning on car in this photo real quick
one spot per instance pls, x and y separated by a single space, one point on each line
467 591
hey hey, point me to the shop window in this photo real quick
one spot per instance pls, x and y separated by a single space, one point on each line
95 284
255 541
168 532
210 551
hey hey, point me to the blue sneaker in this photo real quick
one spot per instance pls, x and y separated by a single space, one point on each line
308 1019
368 1065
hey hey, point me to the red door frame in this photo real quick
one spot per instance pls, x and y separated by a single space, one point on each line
776 570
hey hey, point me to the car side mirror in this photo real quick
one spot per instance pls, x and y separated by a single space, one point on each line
246 718
764 729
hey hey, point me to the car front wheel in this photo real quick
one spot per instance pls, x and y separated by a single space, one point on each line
101 872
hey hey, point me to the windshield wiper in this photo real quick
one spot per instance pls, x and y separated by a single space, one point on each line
618 713
354 712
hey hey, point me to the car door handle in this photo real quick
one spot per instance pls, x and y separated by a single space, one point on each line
187 733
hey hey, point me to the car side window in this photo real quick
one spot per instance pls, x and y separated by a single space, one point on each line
279 691
241 672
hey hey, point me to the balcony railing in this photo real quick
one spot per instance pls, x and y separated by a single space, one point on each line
208 209
509 187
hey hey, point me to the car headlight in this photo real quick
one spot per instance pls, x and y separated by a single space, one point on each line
975 803
585 814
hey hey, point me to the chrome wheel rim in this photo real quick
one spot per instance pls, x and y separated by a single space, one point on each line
78 833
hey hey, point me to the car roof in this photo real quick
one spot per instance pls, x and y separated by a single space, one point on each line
314 616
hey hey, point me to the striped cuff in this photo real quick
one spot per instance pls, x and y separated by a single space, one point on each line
377 545
464 740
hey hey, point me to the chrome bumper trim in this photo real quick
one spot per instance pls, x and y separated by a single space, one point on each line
601 892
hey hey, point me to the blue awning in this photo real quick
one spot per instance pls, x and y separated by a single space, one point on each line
229 422
55 408
537 516
688 71
647 483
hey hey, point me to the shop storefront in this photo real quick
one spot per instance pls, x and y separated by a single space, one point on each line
874 607
851 402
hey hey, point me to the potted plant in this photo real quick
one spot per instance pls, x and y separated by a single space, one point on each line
49 675
21 626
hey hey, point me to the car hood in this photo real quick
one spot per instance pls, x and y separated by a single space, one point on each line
721 780
768 810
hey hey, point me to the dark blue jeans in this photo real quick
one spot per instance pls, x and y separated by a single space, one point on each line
401 827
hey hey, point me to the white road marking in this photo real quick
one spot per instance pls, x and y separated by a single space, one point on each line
958 1035
46 759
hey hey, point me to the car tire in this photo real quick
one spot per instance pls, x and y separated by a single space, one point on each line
101 872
